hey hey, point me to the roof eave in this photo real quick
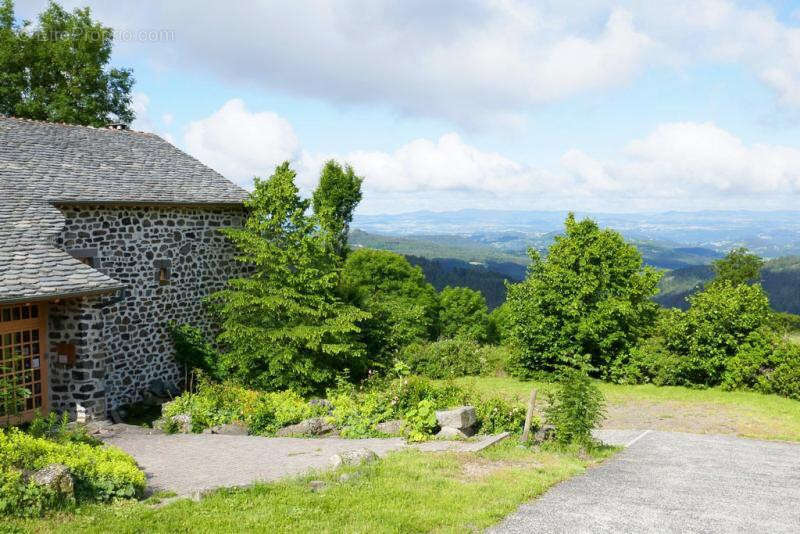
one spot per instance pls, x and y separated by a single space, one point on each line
61 295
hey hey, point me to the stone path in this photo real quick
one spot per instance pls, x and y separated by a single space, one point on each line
674 482
194 463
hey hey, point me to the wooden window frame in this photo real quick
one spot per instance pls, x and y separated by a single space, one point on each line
40 323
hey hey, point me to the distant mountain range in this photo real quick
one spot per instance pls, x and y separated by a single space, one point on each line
484 248
770 234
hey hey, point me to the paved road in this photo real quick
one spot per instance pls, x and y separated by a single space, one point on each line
673 482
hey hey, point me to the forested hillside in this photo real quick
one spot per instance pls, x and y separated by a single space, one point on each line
780 279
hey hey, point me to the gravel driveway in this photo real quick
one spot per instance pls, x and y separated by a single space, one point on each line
673 482
193 463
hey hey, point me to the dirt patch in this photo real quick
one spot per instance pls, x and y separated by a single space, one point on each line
696 418
475 468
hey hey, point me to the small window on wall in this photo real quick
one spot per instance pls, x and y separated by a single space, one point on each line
87 256
163 272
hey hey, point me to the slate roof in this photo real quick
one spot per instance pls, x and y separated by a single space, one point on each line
43 165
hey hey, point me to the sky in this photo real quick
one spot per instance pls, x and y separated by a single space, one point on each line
590 105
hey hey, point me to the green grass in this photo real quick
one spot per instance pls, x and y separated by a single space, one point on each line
408 491
705 411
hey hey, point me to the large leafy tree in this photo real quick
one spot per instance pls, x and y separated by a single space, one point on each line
589 296
403 306
463 313
334 201
739 266
284 326
58 70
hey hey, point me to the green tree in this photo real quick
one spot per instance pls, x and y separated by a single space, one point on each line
719 321
590 296
58 70
284 325
501 324
739 266
334 201
463 313
402 305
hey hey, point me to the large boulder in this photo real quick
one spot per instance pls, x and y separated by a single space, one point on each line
353 457
236 428
546 433
55 477
183 421
462 418
316 426
393 427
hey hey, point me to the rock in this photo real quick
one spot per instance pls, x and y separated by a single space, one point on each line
393 427
448 432
184 422
317 485
546 433
236 428
461 418
353 457
323 403
55 477
116 417
316 426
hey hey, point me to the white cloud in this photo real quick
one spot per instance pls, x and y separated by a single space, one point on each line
677 165
167 119
240 144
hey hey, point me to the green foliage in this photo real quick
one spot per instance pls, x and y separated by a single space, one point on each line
498 415
787 323
463 313
420 421
576 407
25 499
334 200
58 70
402 306
285 326
356 415
719 320
193 350
264 413
57 428
452 358
501 324
738 267
100 473
590 296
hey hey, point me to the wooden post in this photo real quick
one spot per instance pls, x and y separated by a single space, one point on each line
529 417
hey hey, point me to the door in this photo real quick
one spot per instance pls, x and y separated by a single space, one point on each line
23 369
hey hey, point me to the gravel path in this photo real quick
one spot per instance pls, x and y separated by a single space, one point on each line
673 482
193 463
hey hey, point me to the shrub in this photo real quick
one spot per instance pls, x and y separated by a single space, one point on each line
420 421
651 362
463 313
497 415
218 404
452 358
26 499
193 350
100 473
56 428
576 407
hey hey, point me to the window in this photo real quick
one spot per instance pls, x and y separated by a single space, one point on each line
87 256
163 272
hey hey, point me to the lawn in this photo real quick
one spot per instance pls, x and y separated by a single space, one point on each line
704 411
408 491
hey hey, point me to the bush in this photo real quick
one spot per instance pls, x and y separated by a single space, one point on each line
463 313
25 499
218 404
496 415
651 362
576 407
193 350
56 428
452 358
420 421
100 473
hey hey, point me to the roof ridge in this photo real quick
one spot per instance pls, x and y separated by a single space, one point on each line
73 125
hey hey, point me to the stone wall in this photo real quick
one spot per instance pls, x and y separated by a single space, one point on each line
78 389
133 245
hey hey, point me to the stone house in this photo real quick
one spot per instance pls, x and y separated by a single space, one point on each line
106 235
